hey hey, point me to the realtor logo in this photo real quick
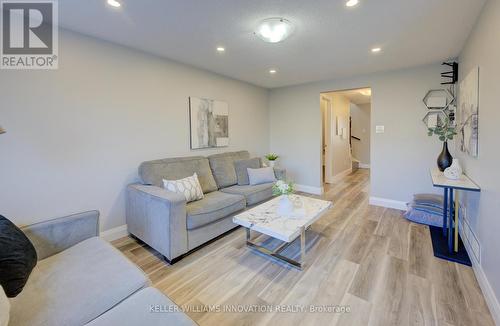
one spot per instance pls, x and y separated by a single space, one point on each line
29 34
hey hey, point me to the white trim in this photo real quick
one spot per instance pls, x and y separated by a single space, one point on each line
389 203
364 166
484 284
341 175
115 233
309 189
489 294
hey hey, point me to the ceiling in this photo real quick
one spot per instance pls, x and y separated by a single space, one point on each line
330 40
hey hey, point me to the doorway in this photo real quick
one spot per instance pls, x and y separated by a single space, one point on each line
345 140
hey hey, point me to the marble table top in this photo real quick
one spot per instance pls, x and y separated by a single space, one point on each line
464 183
265 218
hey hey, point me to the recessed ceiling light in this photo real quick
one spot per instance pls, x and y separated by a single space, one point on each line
375 50
273 71
351 3
274 30
114 3
221 49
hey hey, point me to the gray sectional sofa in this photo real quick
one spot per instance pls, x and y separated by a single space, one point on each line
164 221
81 279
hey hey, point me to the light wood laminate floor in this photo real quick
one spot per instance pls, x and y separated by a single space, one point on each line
364 257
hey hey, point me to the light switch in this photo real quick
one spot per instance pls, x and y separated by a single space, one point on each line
379 129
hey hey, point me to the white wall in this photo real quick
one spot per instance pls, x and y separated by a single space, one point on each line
76 136
360 114
483 49
400 158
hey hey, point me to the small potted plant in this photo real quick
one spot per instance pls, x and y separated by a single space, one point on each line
272 158
445 132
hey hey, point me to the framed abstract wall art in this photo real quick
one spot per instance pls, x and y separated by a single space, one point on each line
209 123
468 113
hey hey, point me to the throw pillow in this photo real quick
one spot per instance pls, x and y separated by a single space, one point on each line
262 175
241 167
190 187
4 308
17 258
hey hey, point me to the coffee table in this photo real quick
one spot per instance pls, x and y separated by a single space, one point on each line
265 219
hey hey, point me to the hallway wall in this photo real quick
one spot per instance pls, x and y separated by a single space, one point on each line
360 114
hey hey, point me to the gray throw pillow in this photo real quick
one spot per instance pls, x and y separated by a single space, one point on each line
241 167
260 176
17 258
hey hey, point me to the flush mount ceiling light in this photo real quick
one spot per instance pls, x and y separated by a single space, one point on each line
351 3
273 71
274 30
221 49
376 50
114 3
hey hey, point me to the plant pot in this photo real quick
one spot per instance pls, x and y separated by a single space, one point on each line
285 205
444 159
272 163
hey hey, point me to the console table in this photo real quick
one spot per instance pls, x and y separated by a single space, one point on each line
446 242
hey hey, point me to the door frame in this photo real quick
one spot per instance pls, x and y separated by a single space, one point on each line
326 151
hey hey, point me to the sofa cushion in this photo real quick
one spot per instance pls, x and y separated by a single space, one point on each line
17 258
153 172
253 194
241 167
260 176
213 207
222 166
189 187
146 307
4 308
76 285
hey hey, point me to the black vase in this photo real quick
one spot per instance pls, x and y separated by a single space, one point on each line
444 159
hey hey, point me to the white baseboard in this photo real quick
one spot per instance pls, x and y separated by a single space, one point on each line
389 203
364 166
115 233
484 284
309 189
489 294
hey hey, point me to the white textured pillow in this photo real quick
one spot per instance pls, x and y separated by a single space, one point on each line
190 187
4 308
262 175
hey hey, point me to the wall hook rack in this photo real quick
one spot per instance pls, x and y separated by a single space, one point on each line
451 77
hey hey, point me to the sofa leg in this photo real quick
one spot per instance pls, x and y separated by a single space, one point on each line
136 239
173 261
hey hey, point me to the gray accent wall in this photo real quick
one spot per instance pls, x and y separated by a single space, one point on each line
76 136
400 157
483 49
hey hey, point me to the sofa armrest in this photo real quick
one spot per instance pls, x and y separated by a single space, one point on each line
158 217
280 173
54 236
